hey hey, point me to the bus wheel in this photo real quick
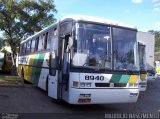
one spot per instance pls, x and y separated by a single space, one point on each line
22 77
57 101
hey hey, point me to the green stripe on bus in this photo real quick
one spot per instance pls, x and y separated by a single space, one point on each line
33 74
38 70
115 78
124 79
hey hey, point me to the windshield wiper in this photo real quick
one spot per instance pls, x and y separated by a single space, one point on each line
97 65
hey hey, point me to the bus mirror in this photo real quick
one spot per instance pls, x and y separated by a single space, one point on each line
70 42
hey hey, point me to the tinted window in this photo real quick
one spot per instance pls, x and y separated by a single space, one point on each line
45 40
33 46
28 47
124 42
40 44
65 28
23 48
49 40
36 44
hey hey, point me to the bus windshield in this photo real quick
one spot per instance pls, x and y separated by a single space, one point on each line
124 49
93 47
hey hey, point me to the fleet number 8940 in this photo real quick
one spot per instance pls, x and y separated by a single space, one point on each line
91 77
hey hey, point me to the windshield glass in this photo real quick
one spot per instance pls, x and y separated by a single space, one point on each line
124 49
92 46
141 50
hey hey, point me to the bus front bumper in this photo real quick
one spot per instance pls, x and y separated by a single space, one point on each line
102 96
143 86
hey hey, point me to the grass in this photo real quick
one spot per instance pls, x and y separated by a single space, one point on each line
7 79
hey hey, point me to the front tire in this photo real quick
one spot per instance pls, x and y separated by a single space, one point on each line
22 77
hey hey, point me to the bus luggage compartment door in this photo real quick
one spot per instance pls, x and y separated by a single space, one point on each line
52 86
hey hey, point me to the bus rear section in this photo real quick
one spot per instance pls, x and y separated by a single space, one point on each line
146 58
142 66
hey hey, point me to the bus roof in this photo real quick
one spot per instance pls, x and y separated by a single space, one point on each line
37 33
98 20
85 18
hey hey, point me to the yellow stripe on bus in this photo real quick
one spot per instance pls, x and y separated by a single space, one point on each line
133 79
143 76
31 60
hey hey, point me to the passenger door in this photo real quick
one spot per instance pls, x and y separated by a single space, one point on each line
53 68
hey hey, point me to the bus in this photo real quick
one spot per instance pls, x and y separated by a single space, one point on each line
83 60
142 66
148 39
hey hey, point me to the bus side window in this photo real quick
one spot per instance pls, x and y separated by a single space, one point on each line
44 42
32 45
48 40
28 47
23 49
40 44
36 44
53 39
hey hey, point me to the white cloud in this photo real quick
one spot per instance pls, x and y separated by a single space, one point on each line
157 4
155 0
137 1
156 9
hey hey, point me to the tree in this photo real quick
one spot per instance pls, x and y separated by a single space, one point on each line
20 18
157 39
1 43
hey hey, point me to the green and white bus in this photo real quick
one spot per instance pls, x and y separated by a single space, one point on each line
83 60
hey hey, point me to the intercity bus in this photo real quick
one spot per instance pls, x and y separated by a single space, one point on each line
142 66
83 60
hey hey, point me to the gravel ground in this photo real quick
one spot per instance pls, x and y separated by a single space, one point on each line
30 99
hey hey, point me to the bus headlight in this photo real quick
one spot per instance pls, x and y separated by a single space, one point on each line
85 84
133 85
88 84
82 84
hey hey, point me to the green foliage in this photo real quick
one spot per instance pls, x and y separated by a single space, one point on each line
157 40
157 44
20 18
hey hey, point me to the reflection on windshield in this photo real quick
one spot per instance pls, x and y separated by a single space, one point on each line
124 45
141 49
94 41
92 47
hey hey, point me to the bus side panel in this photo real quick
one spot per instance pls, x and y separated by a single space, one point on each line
44 72
38 66
33 75
31 60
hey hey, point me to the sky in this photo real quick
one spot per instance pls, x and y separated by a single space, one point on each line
143 14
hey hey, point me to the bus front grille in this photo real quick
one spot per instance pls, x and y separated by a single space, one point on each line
110 84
